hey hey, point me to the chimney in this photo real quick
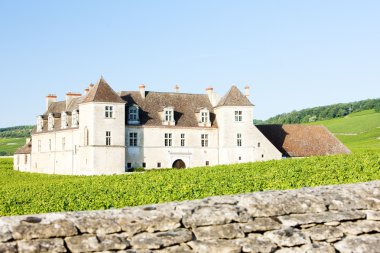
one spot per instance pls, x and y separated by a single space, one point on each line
209 90
86 91
51 98
70 96
142 90
176 88
246 91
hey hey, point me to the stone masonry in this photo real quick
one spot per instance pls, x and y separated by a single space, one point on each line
342 218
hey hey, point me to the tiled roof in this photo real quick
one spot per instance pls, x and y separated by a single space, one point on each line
102 92
185 107
234 97
303 140
26 149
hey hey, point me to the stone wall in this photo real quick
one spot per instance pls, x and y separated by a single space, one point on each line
344 218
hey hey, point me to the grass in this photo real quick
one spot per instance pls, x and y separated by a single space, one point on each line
25 193
358 131
9 145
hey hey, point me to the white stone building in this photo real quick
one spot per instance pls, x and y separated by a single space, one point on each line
104 132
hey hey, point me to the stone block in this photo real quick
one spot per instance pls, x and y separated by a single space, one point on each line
58 228
300 219
83 243
8 247
288 237
161 239
260 225
256 244
359 244
55 245
227 231
323 232
214 215
360 227
100 226
218 246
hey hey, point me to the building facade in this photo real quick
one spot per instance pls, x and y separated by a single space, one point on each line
104 132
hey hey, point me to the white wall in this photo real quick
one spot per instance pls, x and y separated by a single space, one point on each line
96 157
151 148
229 152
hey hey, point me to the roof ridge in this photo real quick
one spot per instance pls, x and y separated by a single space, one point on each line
234 97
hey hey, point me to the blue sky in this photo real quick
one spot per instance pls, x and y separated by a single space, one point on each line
293 54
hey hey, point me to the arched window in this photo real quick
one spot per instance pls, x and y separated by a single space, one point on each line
86 136
50 122
133 115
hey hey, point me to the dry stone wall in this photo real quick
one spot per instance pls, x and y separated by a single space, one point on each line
344 218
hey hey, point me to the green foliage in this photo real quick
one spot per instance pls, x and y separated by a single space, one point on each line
26 193
16 132
324 112
357 131
9 145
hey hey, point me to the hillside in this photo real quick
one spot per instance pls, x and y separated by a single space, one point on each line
357 131
11 138
324 112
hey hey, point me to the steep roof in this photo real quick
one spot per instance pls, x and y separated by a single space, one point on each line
185 107
26 149
303 140
102 92
234 97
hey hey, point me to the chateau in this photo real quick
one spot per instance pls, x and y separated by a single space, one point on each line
104 132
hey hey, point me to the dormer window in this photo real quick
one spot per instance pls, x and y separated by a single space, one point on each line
75 118
40 123
133 115
50 122
64 120
204 117
168 116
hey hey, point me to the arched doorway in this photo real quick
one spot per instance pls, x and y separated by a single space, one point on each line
179 164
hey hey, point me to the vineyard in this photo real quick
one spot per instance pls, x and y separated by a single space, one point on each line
25 193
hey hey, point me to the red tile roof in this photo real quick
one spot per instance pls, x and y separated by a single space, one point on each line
303 140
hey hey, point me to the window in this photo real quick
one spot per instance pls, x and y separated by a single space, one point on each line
64 120
169 115
75 119
49 144
204 140
262 156
109 111
86 136
129 165
158 165
133 113
50 122
168 140
258 144
238 139
182 140
238 116
207 163
63 143
204 117
26 159
133 139
108 138
239 158
39 145
143 165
